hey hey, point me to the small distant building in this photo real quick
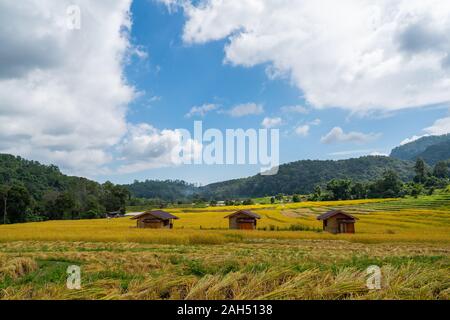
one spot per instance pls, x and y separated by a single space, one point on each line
338 221
155 220
243 220
115 214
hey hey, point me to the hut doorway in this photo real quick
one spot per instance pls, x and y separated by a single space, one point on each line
246 225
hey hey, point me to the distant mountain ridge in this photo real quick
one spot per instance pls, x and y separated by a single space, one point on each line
298 177
431 149
301 177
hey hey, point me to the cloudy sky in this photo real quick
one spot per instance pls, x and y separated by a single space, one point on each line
339 79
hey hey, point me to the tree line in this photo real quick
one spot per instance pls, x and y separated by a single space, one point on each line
32 192
425 181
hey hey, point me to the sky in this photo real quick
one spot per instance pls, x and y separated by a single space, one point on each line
101 88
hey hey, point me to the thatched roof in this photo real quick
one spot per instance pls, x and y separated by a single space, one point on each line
159 214
245 212
332 213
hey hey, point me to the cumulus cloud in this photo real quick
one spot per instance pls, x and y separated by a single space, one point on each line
201 110
246 109
63 98
145 147
271 122
413 138
362 55
440 126
337 135
303 130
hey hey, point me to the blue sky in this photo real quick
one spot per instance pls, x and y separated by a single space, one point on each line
181 76
104 101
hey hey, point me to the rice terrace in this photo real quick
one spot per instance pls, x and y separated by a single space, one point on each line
264 156
288 257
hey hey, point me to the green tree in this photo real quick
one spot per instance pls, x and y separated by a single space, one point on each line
64 206
359 191
4 189
417 190
18 201
317 196
272 200
390 186
441 170
340 188
114 197
296 198
420 169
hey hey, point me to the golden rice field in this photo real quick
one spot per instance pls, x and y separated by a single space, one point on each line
200 259
379 221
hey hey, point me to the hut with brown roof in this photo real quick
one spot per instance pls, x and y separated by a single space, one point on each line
243 220
338 221
155 220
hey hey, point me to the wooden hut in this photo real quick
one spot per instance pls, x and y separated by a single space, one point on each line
243 220
338 221
155 220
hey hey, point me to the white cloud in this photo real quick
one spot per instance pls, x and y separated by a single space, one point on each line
316 122
362 55
440 127
413 138
337 135
145 147
358 152
294 109
201 110
350 152
246 109
62 95
271 122
379 154
303 130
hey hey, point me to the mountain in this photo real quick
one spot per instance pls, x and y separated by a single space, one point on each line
302 176
297 177
435 153
431 148
169 190
36 177
42 192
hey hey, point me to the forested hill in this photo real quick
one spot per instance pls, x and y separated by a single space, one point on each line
48 186
169 190
302 176
436 152
36 192
36 177
431 148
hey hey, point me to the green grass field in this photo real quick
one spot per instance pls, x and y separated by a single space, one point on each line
200 259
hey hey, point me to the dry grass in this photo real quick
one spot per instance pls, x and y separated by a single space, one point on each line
303 269
200 259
